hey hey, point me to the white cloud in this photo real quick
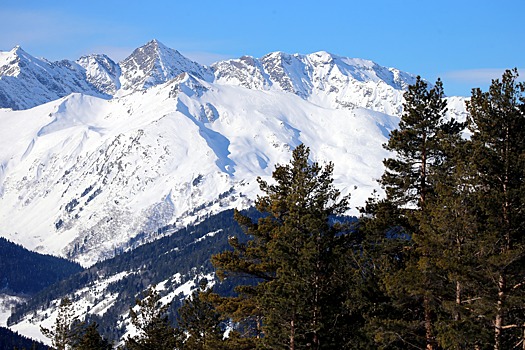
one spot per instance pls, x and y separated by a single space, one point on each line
477 76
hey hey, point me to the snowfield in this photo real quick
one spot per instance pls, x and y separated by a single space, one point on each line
159 140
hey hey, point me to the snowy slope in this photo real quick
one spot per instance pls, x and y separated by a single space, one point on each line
321 78
82 176
26 81
85 176
104 293
155 63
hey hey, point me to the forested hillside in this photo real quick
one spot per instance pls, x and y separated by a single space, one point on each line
26 272
179 258
10 340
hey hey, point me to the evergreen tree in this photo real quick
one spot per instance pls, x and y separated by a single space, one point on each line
409 277
200 326
152 324
63 333
497 122
451 225
90 339
296 256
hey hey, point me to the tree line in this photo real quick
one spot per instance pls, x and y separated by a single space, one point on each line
435 263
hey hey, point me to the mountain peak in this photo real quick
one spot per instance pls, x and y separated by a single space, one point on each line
16 49
154 63
102 72
156 46
322 56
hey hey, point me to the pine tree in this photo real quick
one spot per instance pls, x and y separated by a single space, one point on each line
152 324
410 277
450 222
295 254
497 123
63 332
200 326
90 339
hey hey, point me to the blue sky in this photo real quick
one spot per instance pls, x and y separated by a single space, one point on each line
464 42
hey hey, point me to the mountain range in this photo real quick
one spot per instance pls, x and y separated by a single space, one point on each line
97 153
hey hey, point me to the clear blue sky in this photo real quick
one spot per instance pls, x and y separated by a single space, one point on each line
464 42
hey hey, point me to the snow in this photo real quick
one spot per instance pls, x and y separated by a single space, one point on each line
82 175
183 291
6 303
210 234
90 300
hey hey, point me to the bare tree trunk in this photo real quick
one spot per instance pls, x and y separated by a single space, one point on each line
422 195
292 335
428 324
317 291
498 322
523 338
458 283
502 283
458 300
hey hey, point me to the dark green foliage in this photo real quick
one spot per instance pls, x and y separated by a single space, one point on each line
417 145
154 330
452 224
200 326
26 272
401 244
497 122
298 257
90 339
447 244
10 340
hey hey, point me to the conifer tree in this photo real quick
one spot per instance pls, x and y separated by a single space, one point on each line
450 223
63 333
152 324
410 277
497 122
200 326
299 300
90 339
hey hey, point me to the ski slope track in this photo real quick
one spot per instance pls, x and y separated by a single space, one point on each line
96 156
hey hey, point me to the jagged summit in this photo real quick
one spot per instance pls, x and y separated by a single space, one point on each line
102 72
153 64
27 81
12 61
320 77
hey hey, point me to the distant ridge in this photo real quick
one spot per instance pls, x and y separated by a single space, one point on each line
23 272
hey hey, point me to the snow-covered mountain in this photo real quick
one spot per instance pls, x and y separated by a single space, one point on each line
121 150
321 78
101 72
154 64
26 81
